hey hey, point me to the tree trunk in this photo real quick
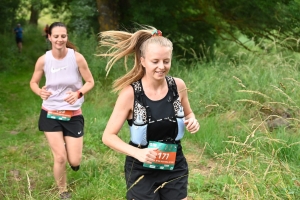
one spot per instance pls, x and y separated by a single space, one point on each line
108 17
34 15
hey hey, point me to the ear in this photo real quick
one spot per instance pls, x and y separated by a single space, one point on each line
142 61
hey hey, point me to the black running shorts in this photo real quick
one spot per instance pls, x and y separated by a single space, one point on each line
72 128
174 189
18 40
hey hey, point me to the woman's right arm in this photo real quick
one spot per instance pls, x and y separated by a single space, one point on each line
122 109
36 77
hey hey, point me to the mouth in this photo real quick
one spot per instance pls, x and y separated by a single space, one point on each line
60 43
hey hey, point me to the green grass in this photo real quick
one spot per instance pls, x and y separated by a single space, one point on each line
233 156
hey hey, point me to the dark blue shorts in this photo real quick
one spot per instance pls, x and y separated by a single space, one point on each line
72 128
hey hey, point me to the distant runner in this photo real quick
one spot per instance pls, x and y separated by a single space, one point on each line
19 37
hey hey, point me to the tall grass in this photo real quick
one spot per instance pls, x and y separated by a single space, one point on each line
238 153
259 160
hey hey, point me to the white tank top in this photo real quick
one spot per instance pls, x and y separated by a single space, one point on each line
62 76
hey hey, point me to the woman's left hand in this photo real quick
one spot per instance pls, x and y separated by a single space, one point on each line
192 125
71 98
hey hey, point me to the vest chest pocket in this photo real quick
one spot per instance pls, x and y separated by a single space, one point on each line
138 134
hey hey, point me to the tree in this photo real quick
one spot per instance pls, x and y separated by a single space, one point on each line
34 14
55 7
108 14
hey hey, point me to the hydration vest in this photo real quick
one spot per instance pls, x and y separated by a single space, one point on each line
142 114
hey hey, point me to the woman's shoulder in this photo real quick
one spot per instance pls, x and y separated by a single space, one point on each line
41 59
180 83
80 60
79 57
127 92
126 97
76 53
181 87
40 63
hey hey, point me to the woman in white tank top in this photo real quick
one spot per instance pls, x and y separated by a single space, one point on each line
61 118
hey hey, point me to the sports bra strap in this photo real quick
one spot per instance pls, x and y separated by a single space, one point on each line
172 86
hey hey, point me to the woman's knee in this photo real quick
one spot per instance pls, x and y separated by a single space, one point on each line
60 159
75 161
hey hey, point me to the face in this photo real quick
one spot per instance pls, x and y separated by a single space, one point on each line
157 61
59 37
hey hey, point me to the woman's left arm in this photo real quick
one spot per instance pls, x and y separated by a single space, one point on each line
87 77
191 122
85 73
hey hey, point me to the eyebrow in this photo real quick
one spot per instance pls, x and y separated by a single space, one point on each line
159 59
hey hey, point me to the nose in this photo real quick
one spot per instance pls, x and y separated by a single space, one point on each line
161 65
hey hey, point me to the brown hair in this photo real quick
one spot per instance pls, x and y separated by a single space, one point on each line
122 44
60 24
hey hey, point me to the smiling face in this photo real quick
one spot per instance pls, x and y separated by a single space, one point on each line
157 60
58 37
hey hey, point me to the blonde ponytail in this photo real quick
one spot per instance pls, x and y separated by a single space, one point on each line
122 44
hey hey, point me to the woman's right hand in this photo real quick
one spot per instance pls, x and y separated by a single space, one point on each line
146 155
44 94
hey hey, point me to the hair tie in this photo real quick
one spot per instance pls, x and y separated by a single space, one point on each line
156 33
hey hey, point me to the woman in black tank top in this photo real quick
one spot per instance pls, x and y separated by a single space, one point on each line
157 109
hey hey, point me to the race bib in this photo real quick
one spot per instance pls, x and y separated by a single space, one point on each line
165 160
64 115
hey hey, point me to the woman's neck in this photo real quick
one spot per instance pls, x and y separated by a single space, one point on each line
154 89
59 53
153 84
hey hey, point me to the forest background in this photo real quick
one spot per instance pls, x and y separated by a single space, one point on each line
239 59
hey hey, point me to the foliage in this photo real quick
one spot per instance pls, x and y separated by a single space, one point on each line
195 26
83 19
80 16
10 59
31 9
182 21
8 10
270 20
